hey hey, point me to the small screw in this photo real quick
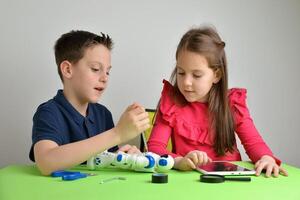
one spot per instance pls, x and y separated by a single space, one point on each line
111 179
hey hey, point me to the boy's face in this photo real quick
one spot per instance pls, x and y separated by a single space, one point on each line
90 74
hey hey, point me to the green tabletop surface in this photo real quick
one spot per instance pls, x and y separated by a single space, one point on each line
26 182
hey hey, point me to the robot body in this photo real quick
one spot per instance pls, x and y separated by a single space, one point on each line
146 162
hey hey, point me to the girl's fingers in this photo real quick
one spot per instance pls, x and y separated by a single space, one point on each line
205 160
283 171
276 171
190 163
258 168
200 158
269 170
257 164
193 157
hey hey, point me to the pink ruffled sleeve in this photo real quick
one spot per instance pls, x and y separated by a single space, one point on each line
165 118
244 127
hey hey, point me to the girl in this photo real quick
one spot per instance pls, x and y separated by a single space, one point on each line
201 115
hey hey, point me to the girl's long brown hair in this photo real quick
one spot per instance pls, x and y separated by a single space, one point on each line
207 42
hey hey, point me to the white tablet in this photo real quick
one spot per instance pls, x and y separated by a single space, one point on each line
224 168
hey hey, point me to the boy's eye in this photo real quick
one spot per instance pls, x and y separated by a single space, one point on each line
95 69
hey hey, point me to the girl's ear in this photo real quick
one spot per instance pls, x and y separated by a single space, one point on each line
66 69
218 76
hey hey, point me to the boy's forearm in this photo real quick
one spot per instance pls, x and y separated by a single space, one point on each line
69 155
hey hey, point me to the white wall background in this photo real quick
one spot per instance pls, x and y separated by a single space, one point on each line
262 44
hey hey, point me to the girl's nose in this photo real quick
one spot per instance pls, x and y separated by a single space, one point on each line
187 81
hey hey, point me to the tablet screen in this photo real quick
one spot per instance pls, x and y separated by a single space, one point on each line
223 167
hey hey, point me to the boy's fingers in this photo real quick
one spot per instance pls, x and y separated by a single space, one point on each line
138 110
129 149
142 125
142 122
133 150
130 107
124 148
137 106
142 116
134 106
145 127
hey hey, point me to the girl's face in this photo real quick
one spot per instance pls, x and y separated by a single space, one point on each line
194 77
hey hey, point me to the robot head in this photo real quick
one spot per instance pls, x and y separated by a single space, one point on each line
165 163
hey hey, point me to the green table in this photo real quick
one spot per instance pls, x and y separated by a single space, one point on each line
25 182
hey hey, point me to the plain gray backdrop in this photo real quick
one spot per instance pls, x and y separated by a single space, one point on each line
262 46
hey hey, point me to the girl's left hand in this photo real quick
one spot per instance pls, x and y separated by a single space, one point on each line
269 164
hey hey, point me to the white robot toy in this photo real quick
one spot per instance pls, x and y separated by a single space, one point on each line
146 162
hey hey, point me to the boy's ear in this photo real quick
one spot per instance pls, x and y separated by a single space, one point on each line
218 76
66 69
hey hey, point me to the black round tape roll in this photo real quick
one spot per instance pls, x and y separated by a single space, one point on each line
159 178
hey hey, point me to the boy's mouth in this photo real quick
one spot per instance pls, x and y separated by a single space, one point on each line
100 89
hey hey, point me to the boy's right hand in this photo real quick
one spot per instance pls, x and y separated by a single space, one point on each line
191 160
132 122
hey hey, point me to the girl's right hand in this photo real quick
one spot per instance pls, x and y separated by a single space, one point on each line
191 160
132 122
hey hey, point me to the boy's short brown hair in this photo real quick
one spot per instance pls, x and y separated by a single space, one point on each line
72 45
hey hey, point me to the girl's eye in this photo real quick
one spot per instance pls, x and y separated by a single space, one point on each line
107 73
197 76
180 73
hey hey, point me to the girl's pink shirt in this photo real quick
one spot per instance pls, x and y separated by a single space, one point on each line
188 126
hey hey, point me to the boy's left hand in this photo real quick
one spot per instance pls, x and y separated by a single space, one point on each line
130 149
269 164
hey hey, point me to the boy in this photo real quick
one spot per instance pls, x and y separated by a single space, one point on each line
66 129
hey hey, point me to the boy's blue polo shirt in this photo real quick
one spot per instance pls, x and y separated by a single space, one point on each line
59 121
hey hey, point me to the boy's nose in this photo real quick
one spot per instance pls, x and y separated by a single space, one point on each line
103 77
